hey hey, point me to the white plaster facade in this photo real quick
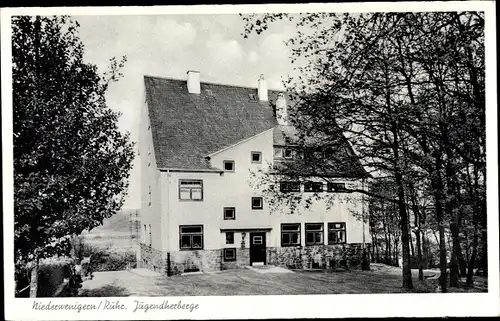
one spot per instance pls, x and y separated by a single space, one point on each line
162 212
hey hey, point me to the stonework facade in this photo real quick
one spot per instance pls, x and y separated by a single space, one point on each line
318 256
300 257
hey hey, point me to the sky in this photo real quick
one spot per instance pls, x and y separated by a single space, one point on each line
169 46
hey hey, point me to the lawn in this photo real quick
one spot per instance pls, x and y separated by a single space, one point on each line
248 282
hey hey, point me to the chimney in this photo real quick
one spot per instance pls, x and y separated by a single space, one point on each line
193 81
281 110
262 88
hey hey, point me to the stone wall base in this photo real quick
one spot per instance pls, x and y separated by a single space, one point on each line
348 256
301 257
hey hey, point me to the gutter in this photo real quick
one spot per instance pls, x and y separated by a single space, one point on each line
200 170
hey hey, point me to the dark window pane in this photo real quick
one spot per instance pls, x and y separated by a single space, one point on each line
310 237
256 157
285 238
185 241
294 238
294 227
229 213
256 202
229 254
197 241
228 165
229 237
191 229
314 227
318 237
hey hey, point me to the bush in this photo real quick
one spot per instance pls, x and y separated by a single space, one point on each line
51 274
108 260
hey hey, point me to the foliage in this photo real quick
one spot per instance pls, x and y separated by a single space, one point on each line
407 92
107 259
71 162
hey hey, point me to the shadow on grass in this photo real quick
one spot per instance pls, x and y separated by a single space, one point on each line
105 291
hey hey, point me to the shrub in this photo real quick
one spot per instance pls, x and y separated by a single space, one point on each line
104 259
51 274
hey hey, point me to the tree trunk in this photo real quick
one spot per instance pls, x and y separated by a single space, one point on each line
405 239
462 264
454 278
470 272
437 191
34 280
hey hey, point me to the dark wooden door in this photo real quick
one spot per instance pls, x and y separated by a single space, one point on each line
258 247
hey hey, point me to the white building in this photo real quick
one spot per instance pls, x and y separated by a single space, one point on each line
199 144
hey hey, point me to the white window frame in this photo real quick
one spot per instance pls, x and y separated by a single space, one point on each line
314 231
224 213
256 153
196 184
261 203
191 234
228 161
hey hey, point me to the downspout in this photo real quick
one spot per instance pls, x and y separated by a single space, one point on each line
169 271
365 261
363 210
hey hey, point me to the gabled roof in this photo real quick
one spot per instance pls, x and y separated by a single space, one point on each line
341 161
187 127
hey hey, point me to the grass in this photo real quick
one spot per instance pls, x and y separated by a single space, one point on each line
115 234
248 282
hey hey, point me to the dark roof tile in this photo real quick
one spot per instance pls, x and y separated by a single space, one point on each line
186 127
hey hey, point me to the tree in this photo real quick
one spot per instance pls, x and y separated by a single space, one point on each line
71 162
400 87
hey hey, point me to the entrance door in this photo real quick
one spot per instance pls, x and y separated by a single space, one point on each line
258 247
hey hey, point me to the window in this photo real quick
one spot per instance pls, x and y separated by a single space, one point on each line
145 234
313 187
290 234
257 203
278 152
252 97
314 233
149 195
289 187
229 255
209 92
257 239
336 233
191 190
336 187
191 237
229 237
229 166
149 156
229 213
287 153
256 157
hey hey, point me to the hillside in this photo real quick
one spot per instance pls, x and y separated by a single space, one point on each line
119 232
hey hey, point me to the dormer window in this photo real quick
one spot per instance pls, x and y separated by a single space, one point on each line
283 152
313 187
287 153
229 166
209 93
336 187
252 97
